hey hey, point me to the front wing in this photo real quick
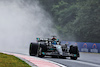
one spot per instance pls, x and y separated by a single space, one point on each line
57 54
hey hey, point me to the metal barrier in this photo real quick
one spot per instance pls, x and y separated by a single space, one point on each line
85 46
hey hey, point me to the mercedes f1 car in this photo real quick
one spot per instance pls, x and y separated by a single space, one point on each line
52 47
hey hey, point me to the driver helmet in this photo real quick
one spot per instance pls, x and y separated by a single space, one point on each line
53 38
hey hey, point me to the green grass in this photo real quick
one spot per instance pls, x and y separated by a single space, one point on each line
11 61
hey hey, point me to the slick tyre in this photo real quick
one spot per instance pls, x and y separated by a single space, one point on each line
33 49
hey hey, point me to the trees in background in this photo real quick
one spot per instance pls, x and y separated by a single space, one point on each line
75 20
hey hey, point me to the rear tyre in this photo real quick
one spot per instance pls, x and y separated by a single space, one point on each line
33 49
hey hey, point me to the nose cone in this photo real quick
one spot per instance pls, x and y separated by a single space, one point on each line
59 50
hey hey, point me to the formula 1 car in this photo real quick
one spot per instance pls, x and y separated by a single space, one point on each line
52 47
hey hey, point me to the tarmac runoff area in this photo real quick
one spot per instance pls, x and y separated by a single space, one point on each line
36 62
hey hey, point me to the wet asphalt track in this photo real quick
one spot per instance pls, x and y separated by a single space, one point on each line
85 60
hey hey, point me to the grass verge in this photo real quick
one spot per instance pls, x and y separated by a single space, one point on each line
11 61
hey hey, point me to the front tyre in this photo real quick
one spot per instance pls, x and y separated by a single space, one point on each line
74 50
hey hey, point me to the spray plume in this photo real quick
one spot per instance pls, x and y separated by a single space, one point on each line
21 21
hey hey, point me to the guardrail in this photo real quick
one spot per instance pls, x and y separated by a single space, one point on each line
85 46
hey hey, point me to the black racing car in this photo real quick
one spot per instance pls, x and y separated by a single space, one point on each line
52 47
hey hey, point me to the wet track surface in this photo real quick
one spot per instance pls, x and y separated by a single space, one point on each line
85 60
